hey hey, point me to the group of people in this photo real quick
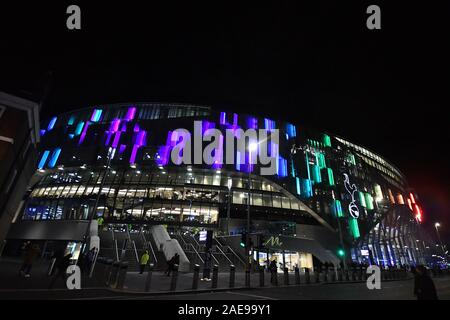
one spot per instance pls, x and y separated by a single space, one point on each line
145 260
60 261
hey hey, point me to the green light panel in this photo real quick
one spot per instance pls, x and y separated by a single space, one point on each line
369 201
330 177
354 229
362 199
326 140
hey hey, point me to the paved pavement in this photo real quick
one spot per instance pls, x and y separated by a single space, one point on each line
12 286
391 290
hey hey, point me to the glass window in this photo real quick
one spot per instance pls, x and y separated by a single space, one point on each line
239 197
286 203
257 199
267 200
276 201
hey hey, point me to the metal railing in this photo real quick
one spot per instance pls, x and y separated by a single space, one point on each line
135 251
149 243
224 254
198 254
116 249
234 253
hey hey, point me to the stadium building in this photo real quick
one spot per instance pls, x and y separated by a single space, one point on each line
329 200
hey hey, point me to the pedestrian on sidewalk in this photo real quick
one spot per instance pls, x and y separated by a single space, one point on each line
31 253
273 271
424 288
62 263
207 267
171 263
144 261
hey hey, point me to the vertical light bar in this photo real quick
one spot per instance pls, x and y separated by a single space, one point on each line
43 159
297 183
130 114
71 121
54 158
52 123
83 134
79 128
353 224
330 177
362 199
326 140
223 118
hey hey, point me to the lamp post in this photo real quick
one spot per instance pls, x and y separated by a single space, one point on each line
229 184
252 148
437 225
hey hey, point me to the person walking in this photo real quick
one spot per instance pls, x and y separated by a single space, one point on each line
31 253
207 267
61 269
144 261
273 272
424 288
171 263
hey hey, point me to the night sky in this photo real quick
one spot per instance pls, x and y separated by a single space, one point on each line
314 64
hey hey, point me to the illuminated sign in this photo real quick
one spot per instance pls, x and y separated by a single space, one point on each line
273 242
351 189
203 235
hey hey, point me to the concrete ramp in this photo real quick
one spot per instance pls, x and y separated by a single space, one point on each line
169 247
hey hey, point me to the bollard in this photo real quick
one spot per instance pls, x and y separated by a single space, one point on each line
347 275
297 276
340 277
286 276
109 270
247 278
148 281
51 267
195 279
173 282
325 276
215 276
261 276
365 274
115 274
307 276
360 274
274 278
232 275
333 275
317 275
122 274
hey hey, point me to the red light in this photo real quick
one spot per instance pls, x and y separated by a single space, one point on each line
418 212
410 205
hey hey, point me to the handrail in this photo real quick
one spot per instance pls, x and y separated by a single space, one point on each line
116 247
217 261
224 254
153 253
193 247
196 242
94 263
135 251
182 239
234 253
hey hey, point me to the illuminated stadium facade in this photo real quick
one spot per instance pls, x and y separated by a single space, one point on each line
328 196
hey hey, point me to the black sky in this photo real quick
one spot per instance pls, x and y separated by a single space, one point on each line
315 64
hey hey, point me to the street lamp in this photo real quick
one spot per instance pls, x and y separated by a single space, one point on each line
437 225
252 148
229 184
